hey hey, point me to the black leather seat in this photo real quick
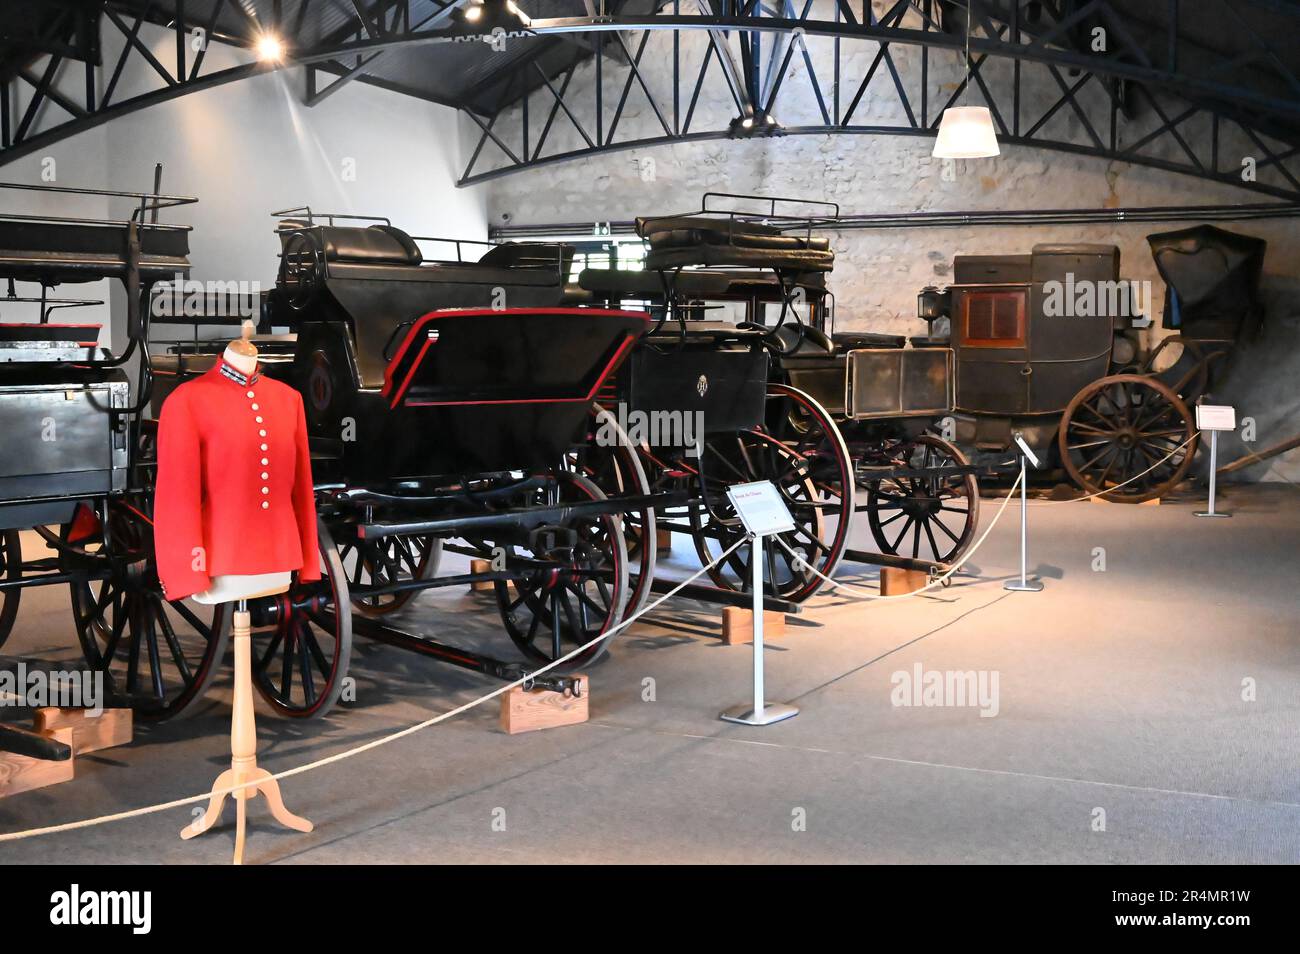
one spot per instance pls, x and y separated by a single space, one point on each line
373 245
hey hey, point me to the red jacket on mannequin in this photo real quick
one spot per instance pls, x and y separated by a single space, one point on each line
234 487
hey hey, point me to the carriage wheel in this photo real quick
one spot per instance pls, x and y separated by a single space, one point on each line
1118 427
11 567
300 662
926 518
162 653
575 594
618 470
387 561
801 450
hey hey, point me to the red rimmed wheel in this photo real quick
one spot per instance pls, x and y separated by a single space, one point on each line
11 568
384 562
300 662
162 653
570 591
1127 427
801 451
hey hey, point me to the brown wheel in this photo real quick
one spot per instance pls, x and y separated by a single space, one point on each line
387 561
1119 426
930 518
162 653
299 663
11 568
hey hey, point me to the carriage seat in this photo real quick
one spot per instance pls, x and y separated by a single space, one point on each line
852 340
680 241
55 252
372 245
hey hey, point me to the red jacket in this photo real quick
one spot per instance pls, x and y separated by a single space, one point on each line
234 490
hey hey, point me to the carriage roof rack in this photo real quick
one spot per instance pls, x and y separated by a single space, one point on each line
149 202
780 213
305 211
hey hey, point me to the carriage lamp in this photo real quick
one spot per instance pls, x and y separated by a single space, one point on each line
269 48
966 132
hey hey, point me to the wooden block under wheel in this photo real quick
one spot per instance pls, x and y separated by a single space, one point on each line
738 625
664 540
22 773
481 586
896 582
89 733
1153 502
526 710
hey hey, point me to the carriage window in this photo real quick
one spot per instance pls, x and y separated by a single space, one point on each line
993 319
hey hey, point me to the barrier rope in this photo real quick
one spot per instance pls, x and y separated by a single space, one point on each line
939 580
374 743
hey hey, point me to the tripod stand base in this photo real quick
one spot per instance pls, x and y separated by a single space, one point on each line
1023 586
266 786
772 712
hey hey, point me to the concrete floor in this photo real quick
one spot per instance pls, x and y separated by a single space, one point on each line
1118 690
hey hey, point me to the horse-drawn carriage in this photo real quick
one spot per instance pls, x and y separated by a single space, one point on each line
1047 345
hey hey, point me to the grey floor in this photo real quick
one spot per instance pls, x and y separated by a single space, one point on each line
1120 692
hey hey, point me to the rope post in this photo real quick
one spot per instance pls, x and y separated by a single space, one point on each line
1024 584
759 712
1214 466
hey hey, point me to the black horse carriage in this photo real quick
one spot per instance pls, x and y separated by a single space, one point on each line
1048 345
443 397
77 468
842 423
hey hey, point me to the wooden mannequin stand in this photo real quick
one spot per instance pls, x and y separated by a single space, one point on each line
243 753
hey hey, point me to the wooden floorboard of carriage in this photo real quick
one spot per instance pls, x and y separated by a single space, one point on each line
1119 690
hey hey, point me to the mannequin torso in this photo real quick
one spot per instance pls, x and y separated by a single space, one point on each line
227 589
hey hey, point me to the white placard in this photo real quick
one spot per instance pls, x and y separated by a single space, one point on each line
1024 449
760 507
1216 417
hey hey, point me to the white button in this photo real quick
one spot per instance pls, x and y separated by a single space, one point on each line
250 393
256 408
266 505
265 475
266 490
263 447
258 419
264 460
261 433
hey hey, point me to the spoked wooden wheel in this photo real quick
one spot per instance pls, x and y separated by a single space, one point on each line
930 518
617 469
300 662
571 592
11 568
384 562
161 653
801 450
1118 427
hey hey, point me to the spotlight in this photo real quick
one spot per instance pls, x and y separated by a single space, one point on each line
747 122
754 125
474 12
269 48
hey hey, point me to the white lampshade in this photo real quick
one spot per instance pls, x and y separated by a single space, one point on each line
966 132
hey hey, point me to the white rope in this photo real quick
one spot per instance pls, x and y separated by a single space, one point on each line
374 744
937 581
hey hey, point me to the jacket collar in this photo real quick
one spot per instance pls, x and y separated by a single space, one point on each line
228 371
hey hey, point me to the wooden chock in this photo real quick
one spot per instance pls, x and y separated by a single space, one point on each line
90 733
243 756
22 773
738 625
1153 502
897 582
481 586
526 710
663 540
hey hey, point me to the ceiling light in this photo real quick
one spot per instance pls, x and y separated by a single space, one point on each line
474 12
747 122
269 48
966 132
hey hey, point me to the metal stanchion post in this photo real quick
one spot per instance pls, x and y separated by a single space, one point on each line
759 712
1214 466
1024 584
